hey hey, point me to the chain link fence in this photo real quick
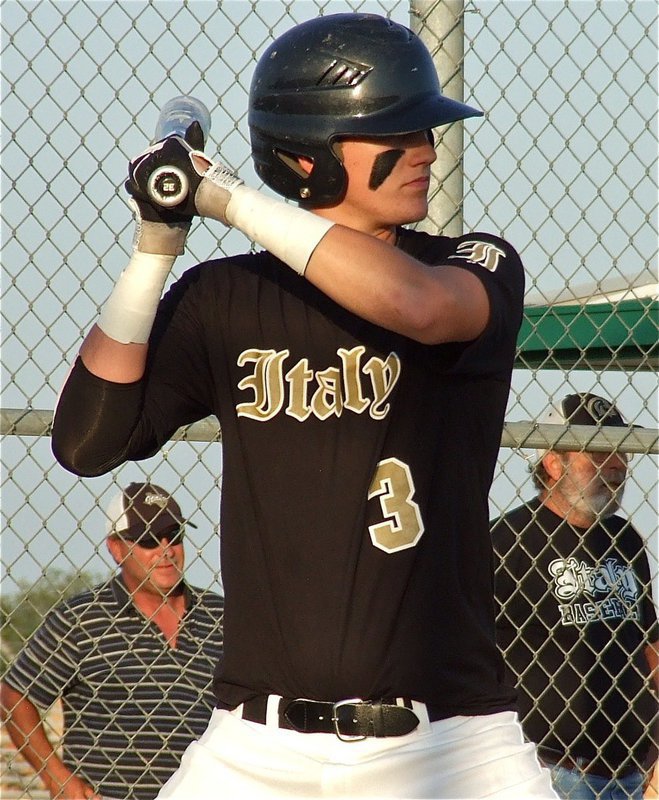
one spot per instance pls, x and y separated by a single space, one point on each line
563 165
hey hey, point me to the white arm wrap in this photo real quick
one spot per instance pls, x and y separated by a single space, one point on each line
288 232
128 314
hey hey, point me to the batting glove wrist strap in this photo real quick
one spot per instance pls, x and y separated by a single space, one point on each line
161 238
289 233
128 314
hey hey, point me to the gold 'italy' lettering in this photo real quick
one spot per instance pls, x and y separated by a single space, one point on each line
336 387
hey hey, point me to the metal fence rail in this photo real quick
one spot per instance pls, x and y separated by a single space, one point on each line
38 422
563 165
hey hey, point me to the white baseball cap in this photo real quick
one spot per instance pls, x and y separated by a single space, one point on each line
582 408
142 507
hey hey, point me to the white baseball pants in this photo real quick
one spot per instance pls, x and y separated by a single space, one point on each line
460 757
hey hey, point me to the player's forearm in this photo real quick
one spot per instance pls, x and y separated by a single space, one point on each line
112 360
384 285
116 348
362 273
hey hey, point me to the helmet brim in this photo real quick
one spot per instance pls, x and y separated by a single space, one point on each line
420 115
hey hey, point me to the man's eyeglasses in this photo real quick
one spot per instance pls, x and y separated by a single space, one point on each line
150 540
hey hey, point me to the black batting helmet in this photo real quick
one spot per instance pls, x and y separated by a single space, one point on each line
339 75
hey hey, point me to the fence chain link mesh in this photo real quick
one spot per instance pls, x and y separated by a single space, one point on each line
563 165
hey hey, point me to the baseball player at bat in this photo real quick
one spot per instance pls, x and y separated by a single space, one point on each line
360 372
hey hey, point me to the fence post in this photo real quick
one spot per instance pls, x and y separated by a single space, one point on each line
441 27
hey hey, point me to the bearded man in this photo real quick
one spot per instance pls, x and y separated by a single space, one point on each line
576 621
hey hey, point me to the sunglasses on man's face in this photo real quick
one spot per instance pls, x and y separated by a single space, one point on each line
150 540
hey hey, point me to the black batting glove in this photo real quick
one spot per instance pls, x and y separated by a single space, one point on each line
165 165
148 175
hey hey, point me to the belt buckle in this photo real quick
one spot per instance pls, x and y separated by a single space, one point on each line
335 720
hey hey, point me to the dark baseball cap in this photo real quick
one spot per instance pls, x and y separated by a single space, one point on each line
584 409
142 508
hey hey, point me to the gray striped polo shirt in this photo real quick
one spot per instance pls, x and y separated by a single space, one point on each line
131 703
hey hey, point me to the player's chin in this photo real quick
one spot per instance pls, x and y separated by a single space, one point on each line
408 214
411 217
413 209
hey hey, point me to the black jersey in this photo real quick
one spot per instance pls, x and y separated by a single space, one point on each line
355 548
576 615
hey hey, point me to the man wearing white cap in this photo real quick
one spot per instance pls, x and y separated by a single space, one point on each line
576 623
131 659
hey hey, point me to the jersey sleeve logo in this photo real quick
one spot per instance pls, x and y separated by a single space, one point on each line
484 254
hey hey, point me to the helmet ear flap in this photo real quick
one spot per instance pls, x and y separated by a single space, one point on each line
277 164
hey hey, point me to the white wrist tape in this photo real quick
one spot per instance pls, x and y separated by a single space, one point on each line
288 232
128 314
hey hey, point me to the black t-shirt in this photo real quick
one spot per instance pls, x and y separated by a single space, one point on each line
355 548
576 614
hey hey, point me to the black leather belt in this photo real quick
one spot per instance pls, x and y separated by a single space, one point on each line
351 720
593 766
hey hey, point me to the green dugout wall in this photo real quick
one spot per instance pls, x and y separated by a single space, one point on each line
623 335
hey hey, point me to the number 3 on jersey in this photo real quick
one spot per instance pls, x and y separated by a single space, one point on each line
403 526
